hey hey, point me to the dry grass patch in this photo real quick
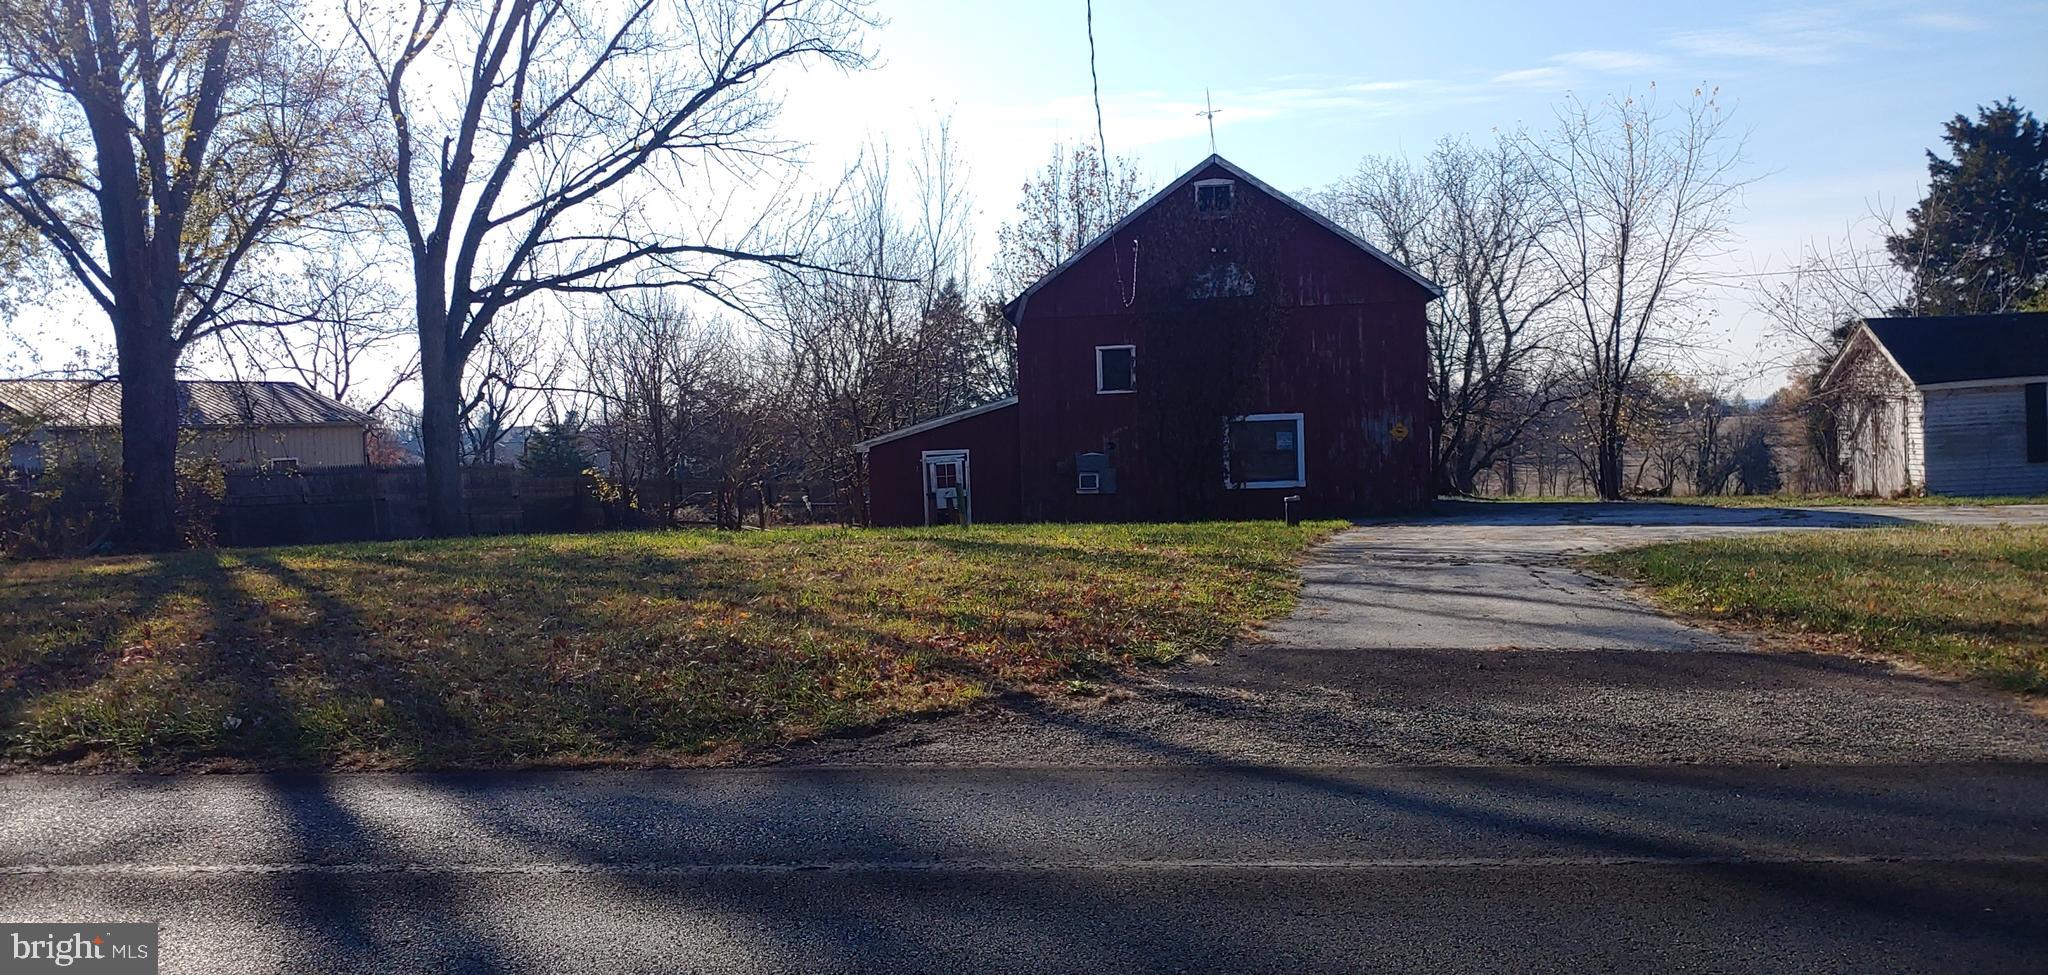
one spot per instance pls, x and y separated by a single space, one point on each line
627 647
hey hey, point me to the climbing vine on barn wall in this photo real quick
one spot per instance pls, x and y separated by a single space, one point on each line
1212 322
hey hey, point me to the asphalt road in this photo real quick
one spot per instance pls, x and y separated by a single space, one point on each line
1460 755
1567 869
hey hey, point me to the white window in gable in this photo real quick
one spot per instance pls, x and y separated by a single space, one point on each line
1213 197
1264 450
1116 368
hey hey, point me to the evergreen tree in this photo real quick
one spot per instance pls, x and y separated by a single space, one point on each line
1978 242
555 449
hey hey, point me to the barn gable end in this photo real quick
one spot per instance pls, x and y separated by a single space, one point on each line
1220 350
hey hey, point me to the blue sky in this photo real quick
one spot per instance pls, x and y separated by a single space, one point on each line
1839 100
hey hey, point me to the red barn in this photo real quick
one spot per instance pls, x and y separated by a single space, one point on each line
1220 349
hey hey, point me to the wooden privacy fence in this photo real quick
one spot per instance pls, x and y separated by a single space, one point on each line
359 503
349 504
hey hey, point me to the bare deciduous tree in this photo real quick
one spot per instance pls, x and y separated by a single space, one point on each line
1475 220
1692 434
650 367
542 146
889 337
159 149
1066 205
1836 283
353 323
1644 193
515 370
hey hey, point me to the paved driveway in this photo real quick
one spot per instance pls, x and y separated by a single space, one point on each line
1498 576
1468 638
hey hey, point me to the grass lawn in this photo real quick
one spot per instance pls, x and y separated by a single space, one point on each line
572 649
1838 501
1965 601
1786 500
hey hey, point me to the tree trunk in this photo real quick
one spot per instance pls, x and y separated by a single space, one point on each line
144 288
1609 462
149 439
1439 460
1463 470
441 442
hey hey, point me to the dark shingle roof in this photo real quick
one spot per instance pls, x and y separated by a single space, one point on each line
1963 348
202 403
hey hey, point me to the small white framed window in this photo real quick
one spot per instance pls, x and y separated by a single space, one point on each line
1264 450
284 464
1214 197
1087 482
1116 369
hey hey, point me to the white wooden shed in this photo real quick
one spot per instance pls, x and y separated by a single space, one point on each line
1954 405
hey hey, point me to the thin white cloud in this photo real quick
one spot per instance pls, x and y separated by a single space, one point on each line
1804 49
1798 37
1568 68
1609 61
1531 77
1944 20
1144 118
1375 86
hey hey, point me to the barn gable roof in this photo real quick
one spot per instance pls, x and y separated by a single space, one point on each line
90 403
1964 348
1016 307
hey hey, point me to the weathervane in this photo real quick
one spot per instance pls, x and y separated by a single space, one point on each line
1209 111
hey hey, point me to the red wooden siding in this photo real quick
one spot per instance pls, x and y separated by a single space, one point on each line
1328 330
1351 358
895 469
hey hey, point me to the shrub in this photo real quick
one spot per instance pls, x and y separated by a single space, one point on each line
70 506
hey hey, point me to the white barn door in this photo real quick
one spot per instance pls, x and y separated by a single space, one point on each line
945 488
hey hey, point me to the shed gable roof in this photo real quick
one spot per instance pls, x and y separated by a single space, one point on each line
1017 305
1965 348
89 403
933 424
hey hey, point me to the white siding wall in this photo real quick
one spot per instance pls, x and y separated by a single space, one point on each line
1915 431
1883 448
1977 442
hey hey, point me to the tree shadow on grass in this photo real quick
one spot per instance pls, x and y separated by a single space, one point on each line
129 633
